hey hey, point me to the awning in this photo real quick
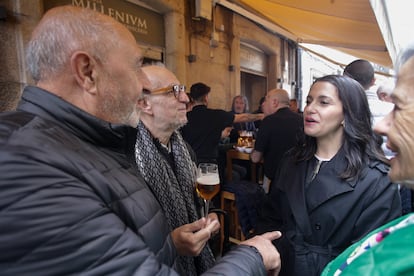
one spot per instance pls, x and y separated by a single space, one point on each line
395 20
349 26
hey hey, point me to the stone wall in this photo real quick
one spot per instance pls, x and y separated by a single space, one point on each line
15 29
185 36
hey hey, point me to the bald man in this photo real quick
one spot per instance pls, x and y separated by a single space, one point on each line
278 132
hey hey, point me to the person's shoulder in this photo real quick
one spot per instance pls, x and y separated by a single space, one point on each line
270 117
385 256
195 113
276 116
223 114
379 166
19 126
15 119
198 109
296 115
288 111
221 111
268 121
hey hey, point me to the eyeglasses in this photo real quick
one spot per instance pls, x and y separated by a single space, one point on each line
176 89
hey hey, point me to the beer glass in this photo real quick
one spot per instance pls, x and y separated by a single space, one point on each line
208 183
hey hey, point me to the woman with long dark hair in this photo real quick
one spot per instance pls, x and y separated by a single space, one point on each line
389 249
332 188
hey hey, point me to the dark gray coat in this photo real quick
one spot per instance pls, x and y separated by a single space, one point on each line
320 221
71 201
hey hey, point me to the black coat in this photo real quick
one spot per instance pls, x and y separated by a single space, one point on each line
72 202
320 221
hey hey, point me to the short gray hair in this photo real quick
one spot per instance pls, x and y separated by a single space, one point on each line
64 30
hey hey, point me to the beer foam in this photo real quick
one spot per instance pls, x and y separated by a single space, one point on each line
208 179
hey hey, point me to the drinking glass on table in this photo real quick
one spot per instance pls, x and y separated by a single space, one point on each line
208 183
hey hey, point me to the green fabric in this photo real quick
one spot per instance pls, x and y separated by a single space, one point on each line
393 256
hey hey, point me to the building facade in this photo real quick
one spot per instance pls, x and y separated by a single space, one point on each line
197 39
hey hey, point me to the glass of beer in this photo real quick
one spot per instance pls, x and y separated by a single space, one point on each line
208 183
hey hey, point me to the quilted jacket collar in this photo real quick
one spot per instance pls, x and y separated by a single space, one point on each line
115 136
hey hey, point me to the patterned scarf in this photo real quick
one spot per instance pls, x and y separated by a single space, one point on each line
174 190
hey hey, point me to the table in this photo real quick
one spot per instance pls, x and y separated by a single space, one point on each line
233 154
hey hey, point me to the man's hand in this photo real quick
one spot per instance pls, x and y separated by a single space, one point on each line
270 255
191 238
211 217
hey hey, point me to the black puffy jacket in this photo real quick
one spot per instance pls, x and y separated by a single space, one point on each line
71 201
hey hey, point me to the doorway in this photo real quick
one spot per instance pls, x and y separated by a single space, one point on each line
254 87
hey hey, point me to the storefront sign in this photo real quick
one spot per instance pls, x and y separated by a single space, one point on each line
146 25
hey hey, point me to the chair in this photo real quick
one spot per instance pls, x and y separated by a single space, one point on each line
225 243
228 204
227 198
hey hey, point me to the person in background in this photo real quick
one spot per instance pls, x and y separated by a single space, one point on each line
164 160
189 105
384 91
72 201
205 125
241 168
279 131
363 72
293 104
8 96
239 172
383 95
388 250
226 132
240 105
333 187
259 110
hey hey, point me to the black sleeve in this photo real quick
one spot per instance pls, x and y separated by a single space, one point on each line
191 151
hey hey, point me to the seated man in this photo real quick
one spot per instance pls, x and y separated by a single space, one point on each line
240 105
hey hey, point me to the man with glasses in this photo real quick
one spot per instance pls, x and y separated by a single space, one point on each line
205 125
164 160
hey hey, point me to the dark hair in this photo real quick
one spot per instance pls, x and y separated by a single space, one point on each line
262 99
360 142
362 71
198 90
